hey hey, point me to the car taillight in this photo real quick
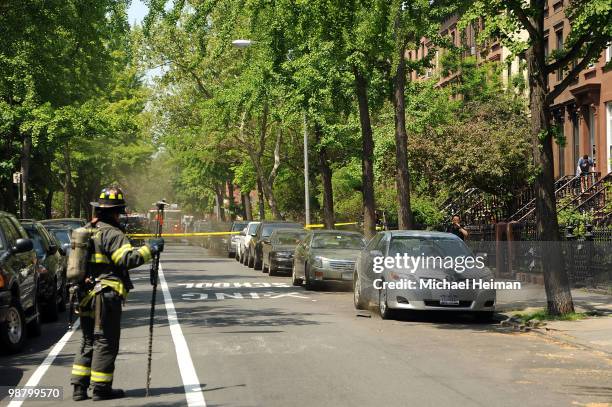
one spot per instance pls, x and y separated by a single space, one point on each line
1 281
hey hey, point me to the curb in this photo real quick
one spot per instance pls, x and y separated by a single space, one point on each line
564 339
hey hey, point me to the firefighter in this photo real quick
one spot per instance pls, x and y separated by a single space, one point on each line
102 294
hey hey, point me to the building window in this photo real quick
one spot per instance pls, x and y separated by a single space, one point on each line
546 48
609 52
559 34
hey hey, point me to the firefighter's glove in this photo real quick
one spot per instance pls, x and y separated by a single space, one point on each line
156 245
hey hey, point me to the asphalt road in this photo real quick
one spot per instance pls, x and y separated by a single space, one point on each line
249 339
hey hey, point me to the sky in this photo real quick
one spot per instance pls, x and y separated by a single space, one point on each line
137 12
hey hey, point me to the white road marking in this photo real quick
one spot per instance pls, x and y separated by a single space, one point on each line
191 383
42 369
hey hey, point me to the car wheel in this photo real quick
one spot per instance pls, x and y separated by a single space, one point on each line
34 324
271 270
12 334
295 281
383 308
51 312
308 284
484 316
251 261
358 298
61 306
257 263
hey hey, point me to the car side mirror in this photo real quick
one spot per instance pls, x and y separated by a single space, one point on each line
22 246
52 249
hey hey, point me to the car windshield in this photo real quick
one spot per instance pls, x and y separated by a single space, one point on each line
62 235
337 241
37 241
424 246
252 228
62 224
238 226
288 238
268 229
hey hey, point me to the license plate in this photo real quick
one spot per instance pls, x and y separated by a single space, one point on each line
449 300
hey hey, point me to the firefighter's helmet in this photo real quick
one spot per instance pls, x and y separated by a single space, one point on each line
110 198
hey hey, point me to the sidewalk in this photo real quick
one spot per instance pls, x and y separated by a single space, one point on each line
593 333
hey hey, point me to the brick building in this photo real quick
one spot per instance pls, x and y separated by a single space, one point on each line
585 107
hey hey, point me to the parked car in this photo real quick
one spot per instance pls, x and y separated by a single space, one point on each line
251 230
234 240
52 261
326 255
135 224
416 244
278 251
63 223
18 285
264 230
239 242
64 236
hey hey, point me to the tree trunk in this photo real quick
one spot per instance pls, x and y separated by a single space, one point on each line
230 196
67 181
367 160
402 174
556 282
260 200
220 213
246 205
326 179
25 173
49 204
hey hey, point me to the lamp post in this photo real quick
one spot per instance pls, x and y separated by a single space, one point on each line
244 43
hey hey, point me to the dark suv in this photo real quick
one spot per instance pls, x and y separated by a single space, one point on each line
52 291
263 233
18 285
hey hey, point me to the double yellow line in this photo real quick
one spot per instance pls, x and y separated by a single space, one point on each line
198 234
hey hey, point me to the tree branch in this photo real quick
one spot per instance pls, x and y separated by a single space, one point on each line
277 160
515 6
593 49
569 55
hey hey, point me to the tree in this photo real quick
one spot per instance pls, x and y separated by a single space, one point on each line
590 32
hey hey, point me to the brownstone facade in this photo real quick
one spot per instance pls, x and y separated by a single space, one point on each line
585 107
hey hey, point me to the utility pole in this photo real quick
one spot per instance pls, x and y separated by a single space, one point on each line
306 188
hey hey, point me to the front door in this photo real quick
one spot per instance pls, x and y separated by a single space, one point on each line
609 135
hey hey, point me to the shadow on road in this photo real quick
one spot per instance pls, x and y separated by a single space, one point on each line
215 317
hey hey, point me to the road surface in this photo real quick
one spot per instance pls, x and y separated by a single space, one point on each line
227 335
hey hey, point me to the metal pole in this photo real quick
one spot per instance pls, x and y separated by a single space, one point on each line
153 280
306 188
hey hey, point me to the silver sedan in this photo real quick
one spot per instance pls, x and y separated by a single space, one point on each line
419 270
326 255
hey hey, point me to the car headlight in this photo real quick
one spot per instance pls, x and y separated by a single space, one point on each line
318 261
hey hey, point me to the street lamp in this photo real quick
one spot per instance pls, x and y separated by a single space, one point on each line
242 43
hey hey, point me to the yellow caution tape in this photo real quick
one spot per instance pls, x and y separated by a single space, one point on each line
320 225
183 234
196 234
